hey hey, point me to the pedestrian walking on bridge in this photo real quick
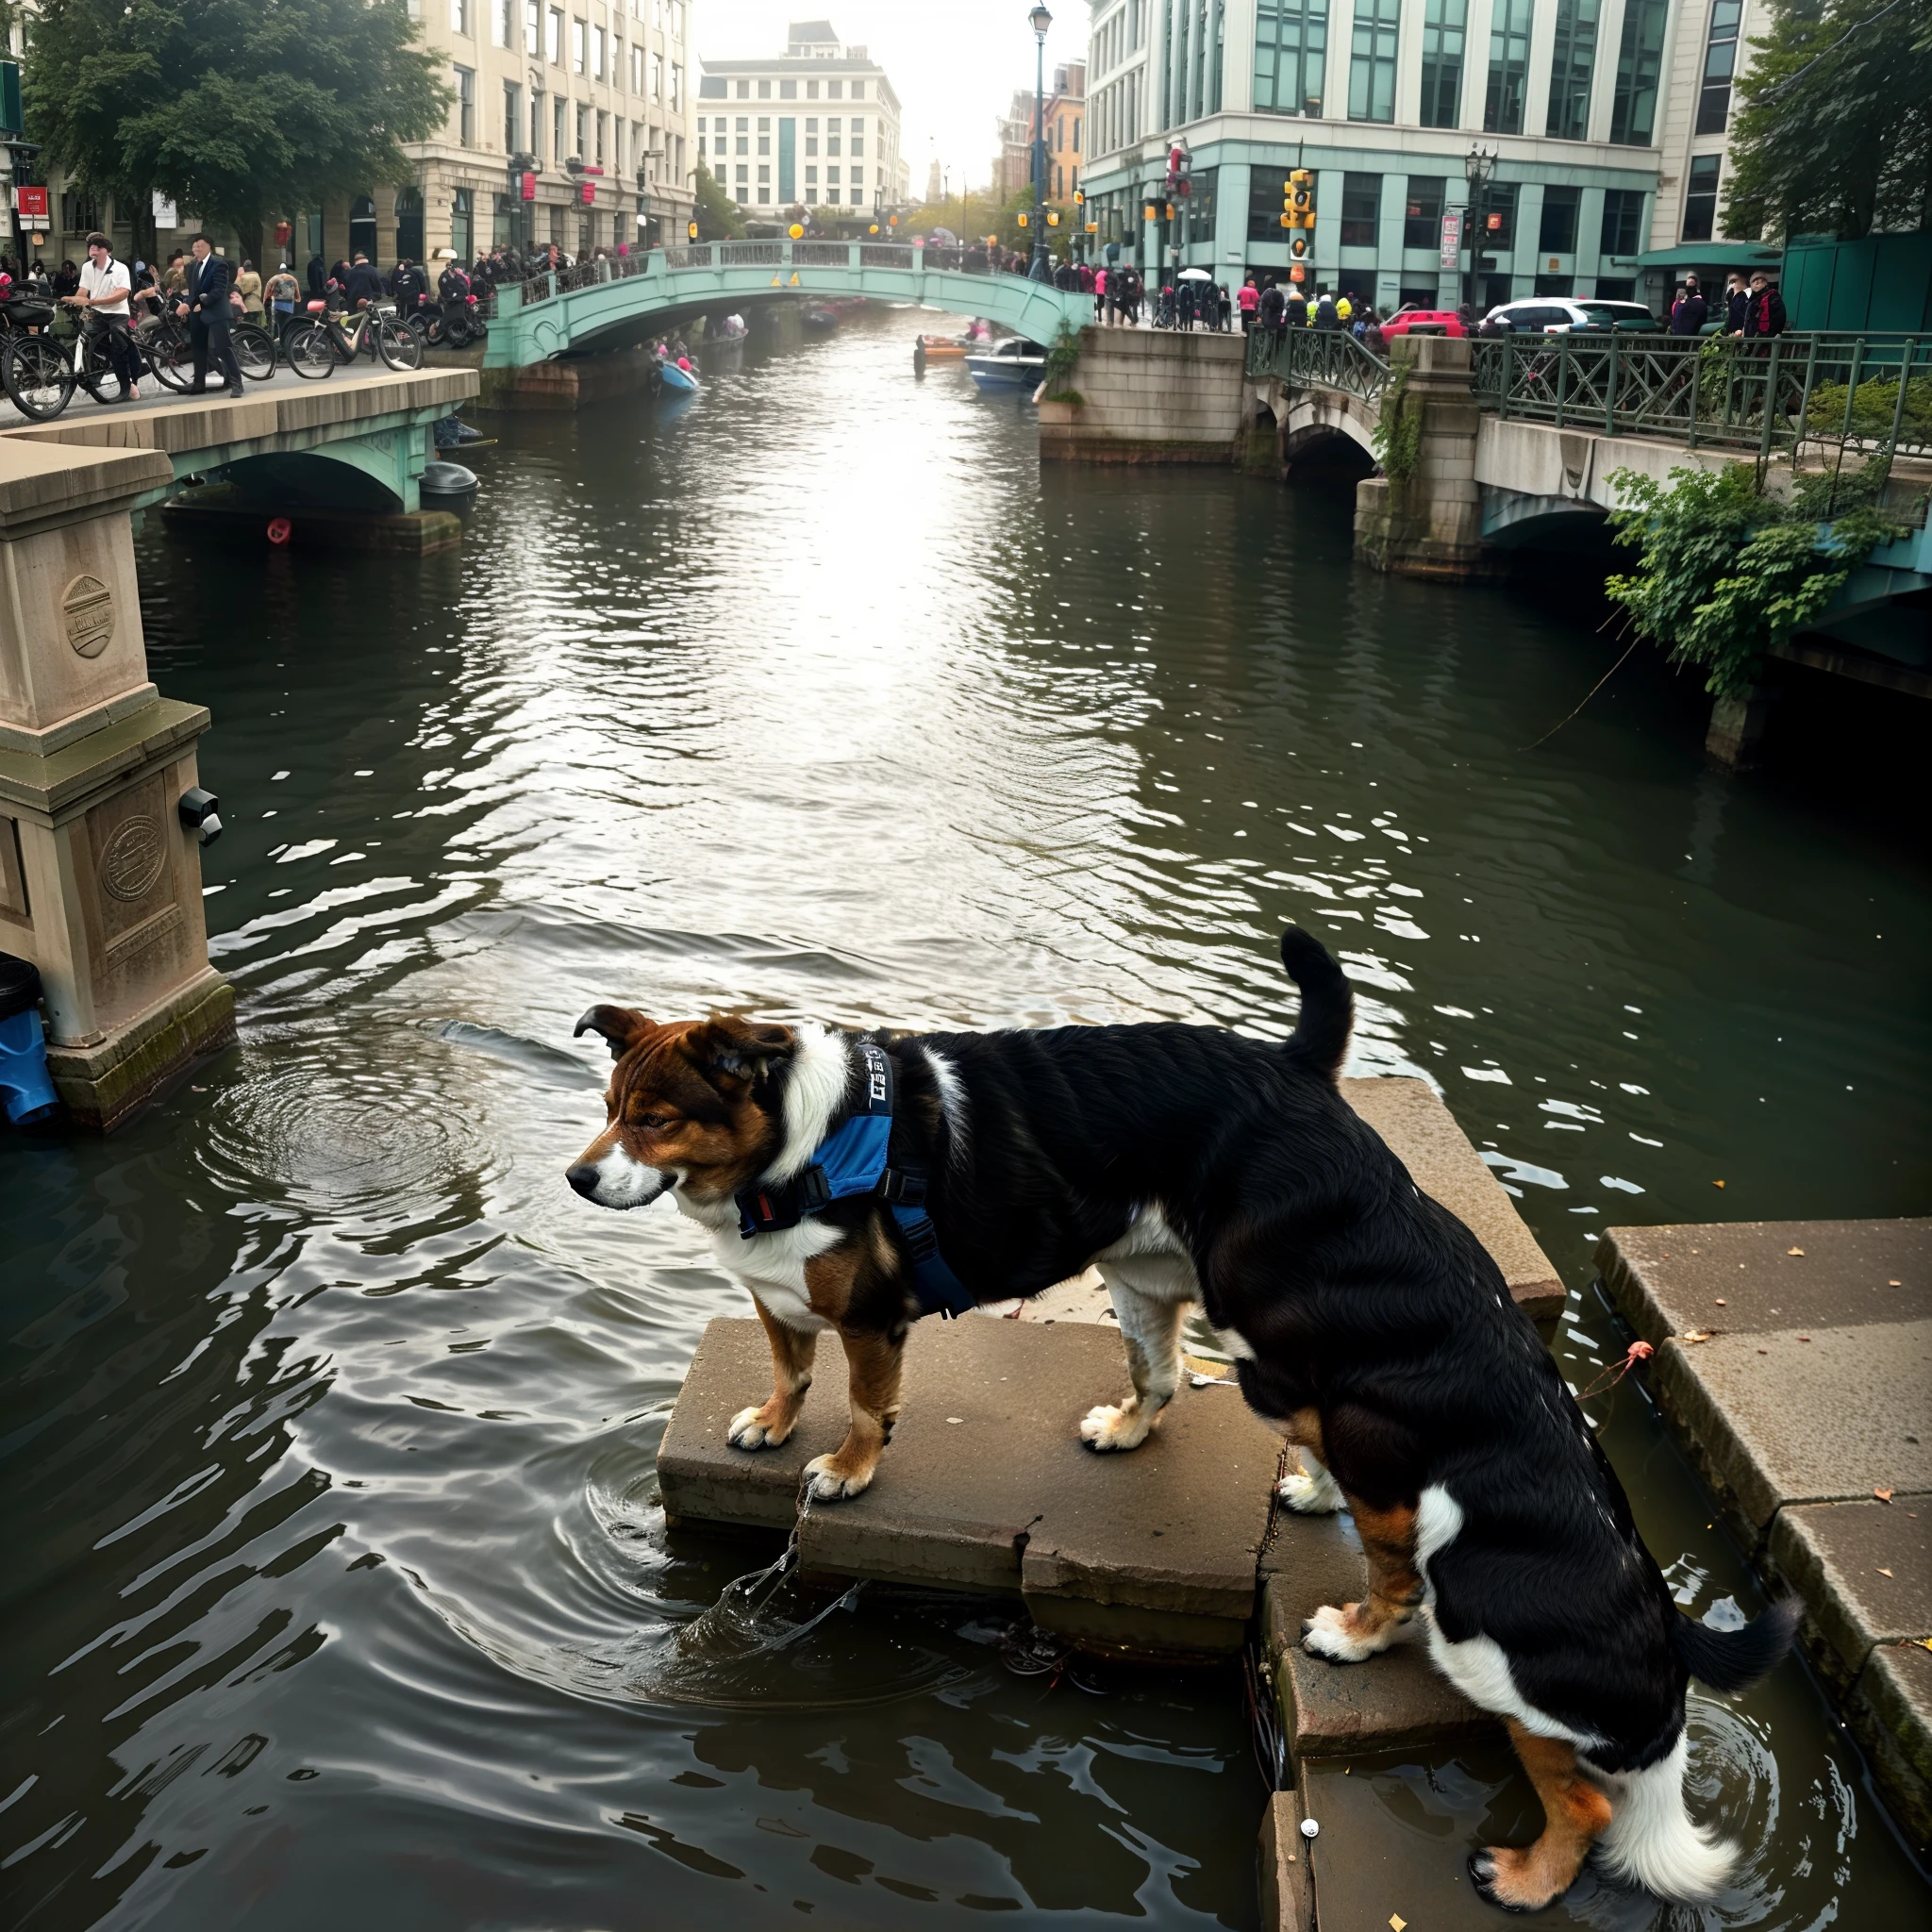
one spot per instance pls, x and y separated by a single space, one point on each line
204 305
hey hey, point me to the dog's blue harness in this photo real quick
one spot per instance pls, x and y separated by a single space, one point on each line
855 1160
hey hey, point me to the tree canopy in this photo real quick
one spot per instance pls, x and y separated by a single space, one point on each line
1834 131
717 215
242 110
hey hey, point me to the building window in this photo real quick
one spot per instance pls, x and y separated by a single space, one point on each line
583 133
831 139
459 17
1361 208
557 147
502 23
536 127
812 89
1508 66
81 212
1639 60
602 123
580 45
1422 219
637 68
1622 220
1499 220
1573 58
1700 197
466 105
1443 26
1720 62
744 90
764 92
1557 233
1290 47
812 180
512 116
1372 60
833 89
462 224
599 42
859 90
553 37
657 89
533 28
787 89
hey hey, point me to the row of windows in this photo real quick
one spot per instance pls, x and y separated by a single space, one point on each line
599 136
1426 196
666 14
1116 111
721 142
1291 58
849 193
787 89
1122 34
593 53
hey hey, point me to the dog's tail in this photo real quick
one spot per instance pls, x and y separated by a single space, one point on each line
1320 1034
1730 1659
1650 1840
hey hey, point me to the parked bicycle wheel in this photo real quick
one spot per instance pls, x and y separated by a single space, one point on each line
168 354
308 351
255 351
38 377
398 347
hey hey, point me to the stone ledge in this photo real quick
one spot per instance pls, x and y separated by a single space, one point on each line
105 1086
54 787
1835 1557
1890 1715
1287 1896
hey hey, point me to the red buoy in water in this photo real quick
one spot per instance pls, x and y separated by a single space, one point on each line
280 530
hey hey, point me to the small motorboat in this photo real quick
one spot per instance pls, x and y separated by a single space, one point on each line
678 378
820 319
1015 364
942 348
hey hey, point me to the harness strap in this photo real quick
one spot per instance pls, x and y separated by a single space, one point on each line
854 1160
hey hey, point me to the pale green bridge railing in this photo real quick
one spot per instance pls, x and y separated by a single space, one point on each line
593 305
1865 392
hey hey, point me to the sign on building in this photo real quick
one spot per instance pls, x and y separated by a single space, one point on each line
32 203
1451 237
166 214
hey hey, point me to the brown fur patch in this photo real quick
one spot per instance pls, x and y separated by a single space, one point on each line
1575 1814
872 1367
1395 1587
791 1359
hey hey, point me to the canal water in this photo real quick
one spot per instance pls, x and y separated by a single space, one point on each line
338 1590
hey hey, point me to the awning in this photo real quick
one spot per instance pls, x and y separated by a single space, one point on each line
1710 255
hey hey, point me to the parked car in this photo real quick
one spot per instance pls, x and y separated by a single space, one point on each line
1553 315
1429 322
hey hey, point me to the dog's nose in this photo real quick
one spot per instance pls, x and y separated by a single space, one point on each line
583 1177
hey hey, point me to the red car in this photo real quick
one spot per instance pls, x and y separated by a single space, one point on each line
1435 321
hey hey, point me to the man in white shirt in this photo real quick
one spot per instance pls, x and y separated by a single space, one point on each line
105 285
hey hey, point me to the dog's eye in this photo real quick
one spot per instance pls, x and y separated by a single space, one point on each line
651 1120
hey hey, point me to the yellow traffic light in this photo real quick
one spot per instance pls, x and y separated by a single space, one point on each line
1053 218
1147 212
1023 220
1288 220
1079 197
691 228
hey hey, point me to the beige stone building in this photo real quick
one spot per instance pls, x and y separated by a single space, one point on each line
606 83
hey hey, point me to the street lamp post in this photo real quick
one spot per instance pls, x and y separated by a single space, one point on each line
1479 170
1039 20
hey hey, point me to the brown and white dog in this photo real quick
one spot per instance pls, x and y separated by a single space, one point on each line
1372 1328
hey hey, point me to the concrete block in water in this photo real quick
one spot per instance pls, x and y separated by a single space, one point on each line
1864 1570
1287 1896
987 1486
1890 1715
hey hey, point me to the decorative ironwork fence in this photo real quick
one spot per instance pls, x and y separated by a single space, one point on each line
1318 359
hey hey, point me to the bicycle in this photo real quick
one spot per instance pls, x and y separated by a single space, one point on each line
314 350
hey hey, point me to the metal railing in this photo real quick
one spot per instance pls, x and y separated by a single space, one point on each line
820 255
1318 359
891 255
1848 392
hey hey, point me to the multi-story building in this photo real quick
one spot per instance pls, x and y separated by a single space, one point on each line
1066 118
1065 114
1606 121
604 84
818 127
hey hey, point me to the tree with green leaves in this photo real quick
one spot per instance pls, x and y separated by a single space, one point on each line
717 215
243 110
1833 134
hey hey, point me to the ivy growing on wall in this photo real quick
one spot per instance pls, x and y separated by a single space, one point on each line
1063 358
1728 571
1397 437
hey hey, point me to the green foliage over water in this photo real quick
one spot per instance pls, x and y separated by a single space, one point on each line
1728 571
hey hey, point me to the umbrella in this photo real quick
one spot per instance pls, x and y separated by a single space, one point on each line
1195 274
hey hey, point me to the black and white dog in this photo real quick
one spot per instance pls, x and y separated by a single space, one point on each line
1188 1164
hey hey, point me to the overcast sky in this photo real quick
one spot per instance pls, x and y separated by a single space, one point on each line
952 63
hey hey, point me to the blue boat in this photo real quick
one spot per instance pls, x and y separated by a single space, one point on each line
675 378
1015 364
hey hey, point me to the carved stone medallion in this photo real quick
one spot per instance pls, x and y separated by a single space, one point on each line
87 608
133 860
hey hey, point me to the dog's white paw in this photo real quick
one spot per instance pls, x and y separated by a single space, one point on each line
747 1432
827 1485
1312 1496
1326 1634
1107 1428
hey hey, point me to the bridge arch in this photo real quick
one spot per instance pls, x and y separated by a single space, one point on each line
615 302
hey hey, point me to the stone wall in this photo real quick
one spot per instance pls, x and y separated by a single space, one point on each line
1149 396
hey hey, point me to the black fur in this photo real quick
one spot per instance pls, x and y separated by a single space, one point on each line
1361 1297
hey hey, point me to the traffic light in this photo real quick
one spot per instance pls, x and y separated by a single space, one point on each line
690 229
1079 197
1053 218
1022 219
1298 248
1299 199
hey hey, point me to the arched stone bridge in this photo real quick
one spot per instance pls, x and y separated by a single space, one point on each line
611 303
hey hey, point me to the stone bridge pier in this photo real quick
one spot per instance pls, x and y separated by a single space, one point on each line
100 876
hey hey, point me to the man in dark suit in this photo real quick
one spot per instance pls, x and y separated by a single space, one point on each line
205 304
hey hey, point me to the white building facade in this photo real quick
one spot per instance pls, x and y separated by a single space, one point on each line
1606 121
817 127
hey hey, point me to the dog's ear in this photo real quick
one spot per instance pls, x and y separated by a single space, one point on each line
739 1049
620 1027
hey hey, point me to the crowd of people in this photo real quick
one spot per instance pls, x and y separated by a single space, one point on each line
1749 308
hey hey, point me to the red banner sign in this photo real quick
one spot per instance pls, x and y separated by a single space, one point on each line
31 201
530 186
589 192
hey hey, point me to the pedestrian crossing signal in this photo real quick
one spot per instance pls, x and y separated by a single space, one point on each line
1298 248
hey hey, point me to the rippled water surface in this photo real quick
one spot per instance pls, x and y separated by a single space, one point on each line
337 1590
